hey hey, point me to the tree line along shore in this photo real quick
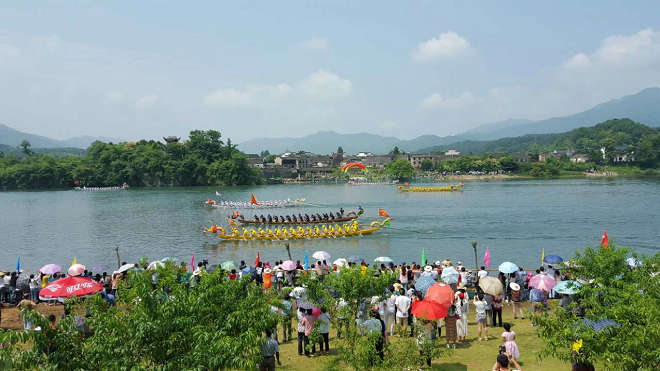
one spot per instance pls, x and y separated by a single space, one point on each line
612 148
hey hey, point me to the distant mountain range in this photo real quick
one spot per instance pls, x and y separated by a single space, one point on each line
13 137
642 107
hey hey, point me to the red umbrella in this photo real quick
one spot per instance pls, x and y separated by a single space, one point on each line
428 310
441 294
70 287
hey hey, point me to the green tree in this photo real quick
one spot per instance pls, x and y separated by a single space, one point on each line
508 163
427 165
628 298
26 147
340 150
395 151
400 169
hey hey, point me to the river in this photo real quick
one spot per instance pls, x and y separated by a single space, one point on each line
514 219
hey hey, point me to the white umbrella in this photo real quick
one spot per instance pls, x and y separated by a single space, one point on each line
155 265
124 268
341 262
321 255
384 260
449 275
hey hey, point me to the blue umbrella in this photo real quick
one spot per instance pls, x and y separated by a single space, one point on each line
449 275
536 295
248 270
508 267
423 284
600 324
567 287
355 259
553 259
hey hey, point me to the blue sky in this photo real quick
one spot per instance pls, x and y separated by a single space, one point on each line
136 69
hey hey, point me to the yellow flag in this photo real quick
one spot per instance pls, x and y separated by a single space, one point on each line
75 261
542 255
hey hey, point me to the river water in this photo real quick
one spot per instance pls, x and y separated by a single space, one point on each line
514 219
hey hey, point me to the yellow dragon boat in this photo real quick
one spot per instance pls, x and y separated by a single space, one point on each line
291 233
449 188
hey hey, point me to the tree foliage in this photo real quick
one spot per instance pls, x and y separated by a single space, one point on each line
204 159
400 169
214 324
616 292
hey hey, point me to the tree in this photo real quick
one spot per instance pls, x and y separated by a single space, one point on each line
26 147
476 258
395 151
613 319
211 324
340 150
400 169
508 163
427 165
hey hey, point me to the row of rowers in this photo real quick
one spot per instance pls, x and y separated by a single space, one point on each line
324 230
326 217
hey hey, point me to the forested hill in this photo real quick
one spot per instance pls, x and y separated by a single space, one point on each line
204 159
616 132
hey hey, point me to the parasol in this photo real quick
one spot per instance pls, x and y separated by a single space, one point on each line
321 255
568 287
423 284
449 275
341 262
441 294
384 260
508 268
288 265
125 268
70 287
553 259
50 269
76 270
228 265
542 282
428 310
491 285
155 265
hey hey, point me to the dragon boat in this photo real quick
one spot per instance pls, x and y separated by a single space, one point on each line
254 204
449 188
291 233
349 216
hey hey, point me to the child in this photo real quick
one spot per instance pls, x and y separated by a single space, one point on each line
480 308
324 329
509 339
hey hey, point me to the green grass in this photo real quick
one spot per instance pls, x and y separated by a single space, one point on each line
473 355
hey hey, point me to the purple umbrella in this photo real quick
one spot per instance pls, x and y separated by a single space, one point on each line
50 269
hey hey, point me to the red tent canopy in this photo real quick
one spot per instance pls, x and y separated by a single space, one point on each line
70 287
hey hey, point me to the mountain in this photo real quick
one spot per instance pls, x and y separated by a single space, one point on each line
328 141
13 137
628 130
642 107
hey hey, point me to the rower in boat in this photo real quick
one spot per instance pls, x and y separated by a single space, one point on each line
341 212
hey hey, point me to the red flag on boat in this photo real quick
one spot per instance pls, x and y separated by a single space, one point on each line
192 262
256 261
253 200
383 213
605 242
487 258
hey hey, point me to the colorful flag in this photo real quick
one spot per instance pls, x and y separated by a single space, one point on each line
305 265
233 222
542 255
253 200
605 242
256 261
18 264
423 257
386 222
383 213
192 262
487 258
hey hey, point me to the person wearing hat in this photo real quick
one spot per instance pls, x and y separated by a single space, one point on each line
516 299
429 272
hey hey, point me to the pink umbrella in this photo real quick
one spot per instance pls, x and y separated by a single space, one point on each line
288 265
440 293
70 287
76 270
51 269
542 282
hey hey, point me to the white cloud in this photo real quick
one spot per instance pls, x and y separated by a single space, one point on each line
388 125
436 101
324 84
579 60
146 101
447 45
227 98
618 48
315 43
114 97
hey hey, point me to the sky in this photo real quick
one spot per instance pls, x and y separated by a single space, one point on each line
147 69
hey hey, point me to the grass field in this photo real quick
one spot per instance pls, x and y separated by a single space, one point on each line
473 355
